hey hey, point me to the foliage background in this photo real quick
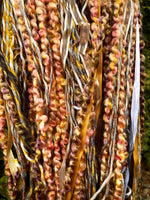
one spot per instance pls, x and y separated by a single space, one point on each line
145 9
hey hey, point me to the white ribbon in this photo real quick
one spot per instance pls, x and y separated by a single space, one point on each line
136 90
135 102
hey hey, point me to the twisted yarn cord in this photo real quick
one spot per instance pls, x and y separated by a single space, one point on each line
67 74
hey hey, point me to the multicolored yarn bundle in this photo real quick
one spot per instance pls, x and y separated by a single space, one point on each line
71 98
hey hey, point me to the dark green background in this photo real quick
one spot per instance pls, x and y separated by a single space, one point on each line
145 9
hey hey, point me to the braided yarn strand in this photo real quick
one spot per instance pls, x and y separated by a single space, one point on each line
67 77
